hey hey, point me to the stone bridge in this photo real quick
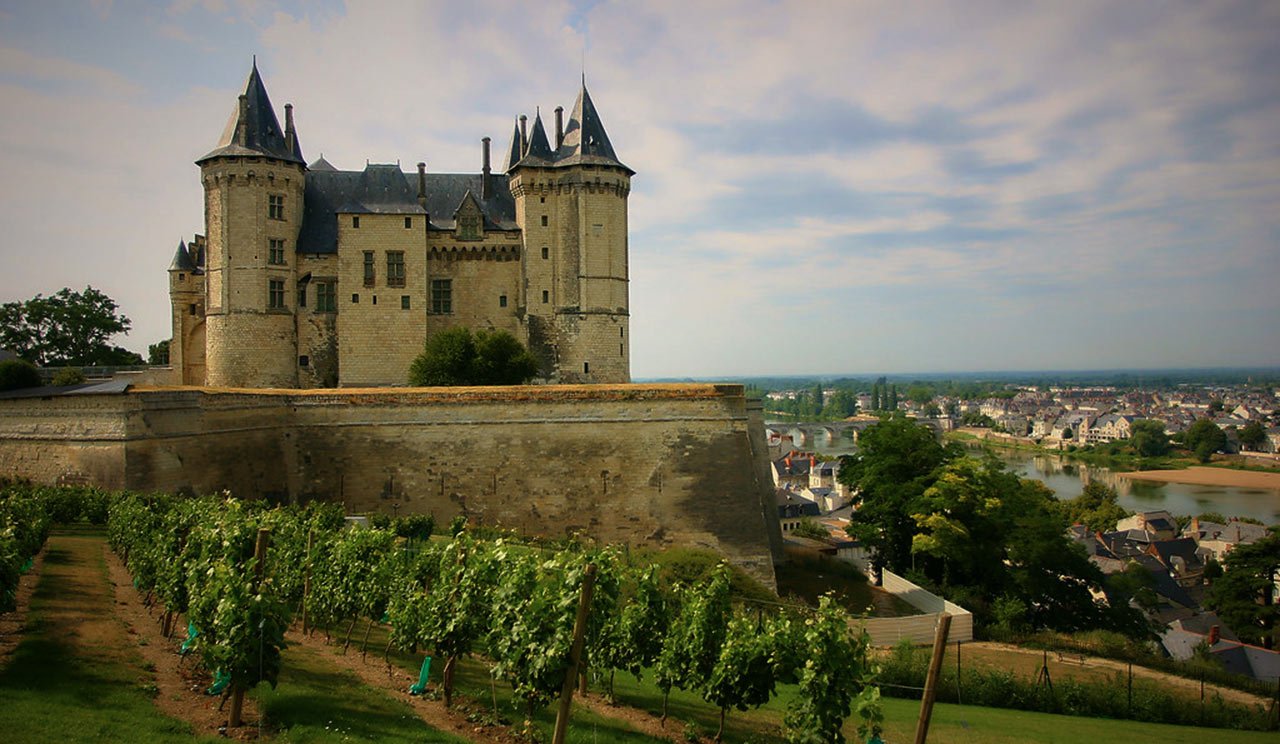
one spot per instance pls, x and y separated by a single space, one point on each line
829 434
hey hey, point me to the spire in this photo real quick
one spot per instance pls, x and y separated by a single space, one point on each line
513 152
182 260
539 147
253 128
584 137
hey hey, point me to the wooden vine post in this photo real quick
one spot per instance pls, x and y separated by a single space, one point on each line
259 558
931 681
575 654
306 580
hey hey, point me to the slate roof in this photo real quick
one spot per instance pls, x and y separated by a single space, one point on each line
385 189
263 134
585 141
182 260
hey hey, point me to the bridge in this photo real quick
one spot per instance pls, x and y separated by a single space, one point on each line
829 434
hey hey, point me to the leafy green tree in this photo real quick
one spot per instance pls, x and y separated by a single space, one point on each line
897 459
842 404
1245 595
65 328
68 376
1096 507
16 374
893 398
1204 438
158 353
1148 438
456 357
1252 435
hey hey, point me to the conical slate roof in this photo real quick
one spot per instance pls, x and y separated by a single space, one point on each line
513 153
585 140
539 147
262 133
182 260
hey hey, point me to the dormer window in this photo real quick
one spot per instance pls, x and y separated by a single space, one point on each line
469 227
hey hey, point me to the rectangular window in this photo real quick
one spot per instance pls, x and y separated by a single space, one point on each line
355 299
368 269
395 268
355 223
275 207
408 223
442 296
302 295
327 297
546 296
275 294
304 361
192 309
502 300
275 252
545 253
404 302
544 220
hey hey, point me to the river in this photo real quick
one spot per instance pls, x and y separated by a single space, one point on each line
1067 478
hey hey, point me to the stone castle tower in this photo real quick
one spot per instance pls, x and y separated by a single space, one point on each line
309 276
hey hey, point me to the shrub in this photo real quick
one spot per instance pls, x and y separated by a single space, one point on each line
69 376
16 374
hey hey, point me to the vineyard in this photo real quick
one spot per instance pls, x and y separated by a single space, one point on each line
231 577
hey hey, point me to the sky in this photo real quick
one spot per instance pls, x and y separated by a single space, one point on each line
822 187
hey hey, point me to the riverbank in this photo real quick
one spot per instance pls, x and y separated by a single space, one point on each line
1201 476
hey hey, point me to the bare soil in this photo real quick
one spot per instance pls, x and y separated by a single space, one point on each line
13 623
1028 661
180 682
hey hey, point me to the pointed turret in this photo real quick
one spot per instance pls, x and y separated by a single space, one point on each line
585 140
539 147
513 152
182 260
254 130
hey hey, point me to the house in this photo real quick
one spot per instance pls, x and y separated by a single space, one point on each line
791 471
1215 540
1181 638
1180 558
793 509
1159 524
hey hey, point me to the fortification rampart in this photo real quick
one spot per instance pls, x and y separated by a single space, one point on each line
657 465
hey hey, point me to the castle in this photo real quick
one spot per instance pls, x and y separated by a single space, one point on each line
308 276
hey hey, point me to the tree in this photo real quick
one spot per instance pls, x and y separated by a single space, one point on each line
1204 438
16 374
893 398
1095 507
1245 595
897 459
1148 438
68 376
456 357
158 353
1252 435
65 328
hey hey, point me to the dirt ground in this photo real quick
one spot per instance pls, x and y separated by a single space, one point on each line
12 623
1027 662
1210 477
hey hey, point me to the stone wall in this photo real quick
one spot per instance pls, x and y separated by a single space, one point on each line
658 465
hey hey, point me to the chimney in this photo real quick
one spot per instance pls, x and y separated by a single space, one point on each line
486 190
290 137
524 135
559 126
242 125
1213 635
422 185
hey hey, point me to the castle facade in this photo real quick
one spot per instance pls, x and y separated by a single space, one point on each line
308 276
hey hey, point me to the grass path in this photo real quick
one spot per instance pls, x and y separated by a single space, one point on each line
76 676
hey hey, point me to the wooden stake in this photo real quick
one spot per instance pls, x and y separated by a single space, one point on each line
306 581
931 681
575 654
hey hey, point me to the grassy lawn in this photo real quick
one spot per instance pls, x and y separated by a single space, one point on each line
314 702
75 675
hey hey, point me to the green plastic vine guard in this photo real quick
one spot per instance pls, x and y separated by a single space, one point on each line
421 687
190 641
220 681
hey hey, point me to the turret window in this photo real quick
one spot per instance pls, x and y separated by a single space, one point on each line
544 220
546 296
275 294
442 296
502 300
395 268
275 207
546 253
275 252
